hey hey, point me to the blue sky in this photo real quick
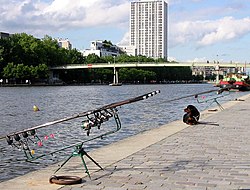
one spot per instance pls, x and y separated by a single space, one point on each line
199 30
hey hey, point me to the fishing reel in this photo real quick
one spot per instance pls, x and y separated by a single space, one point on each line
96 119
22 138
21 141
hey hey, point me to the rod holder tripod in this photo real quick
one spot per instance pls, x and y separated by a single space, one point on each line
79 151
218 104
211 100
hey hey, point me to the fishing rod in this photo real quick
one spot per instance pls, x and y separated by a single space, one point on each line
23 139
32 130
29 142
213 99
196 95
86 113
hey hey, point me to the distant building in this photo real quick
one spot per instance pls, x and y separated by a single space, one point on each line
208 71
203 71
64 43
4 35
149 27
129 50
102 49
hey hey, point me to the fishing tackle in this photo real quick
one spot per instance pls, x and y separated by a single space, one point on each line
24 139
213 99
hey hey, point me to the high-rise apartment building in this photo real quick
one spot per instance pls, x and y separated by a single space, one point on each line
149 27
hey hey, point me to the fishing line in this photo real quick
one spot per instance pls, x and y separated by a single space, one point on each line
219 91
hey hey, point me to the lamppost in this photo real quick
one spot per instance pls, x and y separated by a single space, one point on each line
115 81
217 69
115 75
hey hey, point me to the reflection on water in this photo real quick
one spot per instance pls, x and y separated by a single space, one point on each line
17 113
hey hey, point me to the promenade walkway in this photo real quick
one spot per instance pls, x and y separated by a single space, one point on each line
211 155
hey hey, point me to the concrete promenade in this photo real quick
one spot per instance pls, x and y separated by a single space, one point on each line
211 155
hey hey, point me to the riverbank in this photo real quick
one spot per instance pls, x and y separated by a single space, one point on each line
96 84
212 155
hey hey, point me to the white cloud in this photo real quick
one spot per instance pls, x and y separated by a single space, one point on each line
125 40
226 29
35 16
208 32
172 59
201 59
40 17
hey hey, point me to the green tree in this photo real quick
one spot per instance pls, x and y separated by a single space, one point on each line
104 75
1 59
1 53
42 71
136 75
107 42
75 57
13 51
33 52
93 58
9 71
54 55
149 75
22 72
109 59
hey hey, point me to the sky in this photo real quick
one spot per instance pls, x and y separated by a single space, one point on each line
199 30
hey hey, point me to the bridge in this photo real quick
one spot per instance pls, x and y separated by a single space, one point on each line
151 64
116 65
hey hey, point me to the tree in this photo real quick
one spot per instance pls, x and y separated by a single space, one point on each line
104 75
93 58
109 59
1 53
9 71
53 56
13 51
22 72
136 75
109 43
33 52
1 59
149 75
42 71
75 57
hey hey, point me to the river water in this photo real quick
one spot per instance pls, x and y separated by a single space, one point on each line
56 102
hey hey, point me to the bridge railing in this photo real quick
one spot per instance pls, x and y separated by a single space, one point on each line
150 64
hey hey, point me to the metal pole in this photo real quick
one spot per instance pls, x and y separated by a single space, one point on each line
114 80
